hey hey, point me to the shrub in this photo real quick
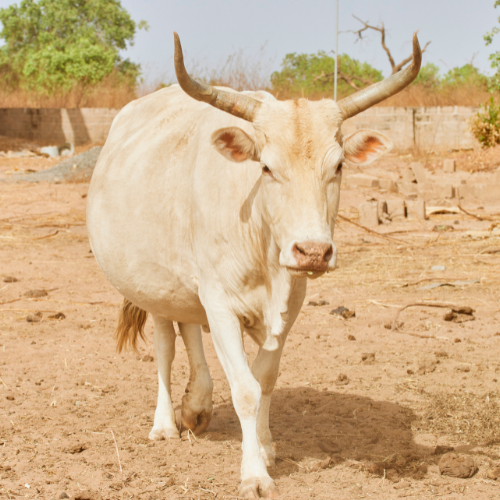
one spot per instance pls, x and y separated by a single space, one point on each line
486 126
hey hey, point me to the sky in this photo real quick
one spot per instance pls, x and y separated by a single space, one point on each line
211 30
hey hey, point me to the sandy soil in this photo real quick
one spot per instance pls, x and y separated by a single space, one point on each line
377 402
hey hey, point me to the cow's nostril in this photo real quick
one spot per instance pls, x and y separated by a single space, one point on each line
299 249
328 254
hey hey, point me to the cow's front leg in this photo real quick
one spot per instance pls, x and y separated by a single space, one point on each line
197 402
164 426
246 394
265 369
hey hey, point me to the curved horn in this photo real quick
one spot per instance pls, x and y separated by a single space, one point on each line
365 98
234 103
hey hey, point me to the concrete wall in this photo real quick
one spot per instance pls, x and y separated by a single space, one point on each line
56 126
426 129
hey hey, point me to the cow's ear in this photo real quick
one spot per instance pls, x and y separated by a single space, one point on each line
365 146
235 144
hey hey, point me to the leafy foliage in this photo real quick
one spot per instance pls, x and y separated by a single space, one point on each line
52 45
428 76
495 57
486 126
306 74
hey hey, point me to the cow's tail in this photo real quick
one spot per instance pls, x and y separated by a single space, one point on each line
130 326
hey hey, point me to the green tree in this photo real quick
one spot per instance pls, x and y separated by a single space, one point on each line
428 76
52 45
465 75
495 57
306 74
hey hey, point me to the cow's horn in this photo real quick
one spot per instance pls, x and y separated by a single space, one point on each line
234 103
365 98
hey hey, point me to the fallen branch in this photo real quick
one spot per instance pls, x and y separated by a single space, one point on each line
459 205
380 235
394 325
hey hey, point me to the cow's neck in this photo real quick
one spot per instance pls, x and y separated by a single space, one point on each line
284 292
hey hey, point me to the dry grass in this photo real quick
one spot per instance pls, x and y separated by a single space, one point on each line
416 96
108 94
241 70
473 418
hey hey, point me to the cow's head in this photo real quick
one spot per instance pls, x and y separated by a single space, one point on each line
300 148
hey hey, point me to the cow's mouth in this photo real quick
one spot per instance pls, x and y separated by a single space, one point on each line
298 272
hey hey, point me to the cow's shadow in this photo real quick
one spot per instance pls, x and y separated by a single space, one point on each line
309 425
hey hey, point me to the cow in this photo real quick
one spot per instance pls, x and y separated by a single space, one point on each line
212 208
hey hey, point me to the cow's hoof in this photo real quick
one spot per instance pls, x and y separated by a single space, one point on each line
258 488
196 417
159 433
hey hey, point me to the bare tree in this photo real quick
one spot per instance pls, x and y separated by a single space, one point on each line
381 29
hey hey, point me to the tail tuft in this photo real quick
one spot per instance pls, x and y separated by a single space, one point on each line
130 326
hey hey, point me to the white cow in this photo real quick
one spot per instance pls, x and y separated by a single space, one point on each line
213 209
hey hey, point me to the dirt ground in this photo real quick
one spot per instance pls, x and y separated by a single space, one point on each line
359 411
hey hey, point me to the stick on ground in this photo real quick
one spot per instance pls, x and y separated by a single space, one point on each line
394 326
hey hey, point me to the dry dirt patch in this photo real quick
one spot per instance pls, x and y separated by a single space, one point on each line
67 397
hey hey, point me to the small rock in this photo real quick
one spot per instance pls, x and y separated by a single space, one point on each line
392 475
77 448
147 358
402 484
34 318
463 368
323 303
10 398
34 294
441 354
342 379
457 340
63 495
493 473
427 366
10 279
368 358
397 326
58 316
344 312
410 372
312 303
87 495
497 334
454 465
351 337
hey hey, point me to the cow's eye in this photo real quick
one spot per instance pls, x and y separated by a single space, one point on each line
266 170
339 168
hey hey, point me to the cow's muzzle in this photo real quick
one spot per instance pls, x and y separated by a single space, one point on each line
312 256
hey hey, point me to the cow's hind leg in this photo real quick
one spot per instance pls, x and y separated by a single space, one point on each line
164 340
265 369
197 402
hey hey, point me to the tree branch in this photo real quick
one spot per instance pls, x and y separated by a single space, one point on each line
381 29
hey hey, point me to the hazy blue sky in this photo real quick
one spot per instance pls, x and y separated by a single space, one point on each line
211 30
